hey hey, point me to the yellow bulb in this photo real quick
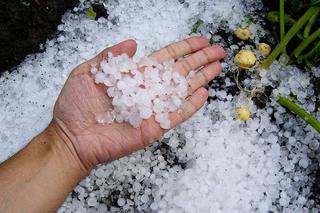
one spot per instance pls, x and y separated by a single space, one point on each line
243 113
245 59
264 48
243 33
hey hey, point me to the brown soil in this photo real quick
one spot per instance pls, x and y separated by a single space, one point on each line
24 24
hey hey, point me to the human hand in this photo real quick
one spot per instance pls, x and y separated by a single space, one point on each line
81 100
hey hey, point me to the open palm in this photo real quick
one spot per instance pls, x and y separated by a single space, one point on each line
81 100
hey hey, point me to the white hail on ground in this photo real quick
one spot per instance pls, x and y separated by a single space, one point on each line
227 166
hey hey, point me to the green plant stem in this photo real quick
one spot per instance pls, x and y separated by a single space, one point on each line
310 53
290 34
305 43
315 3
282 24
308 27
312 121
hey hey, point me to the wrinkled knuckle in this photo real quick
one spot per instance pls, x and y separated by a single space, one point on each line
171 51
207 54
180 68
184 68
206 77
189 43
188 64
182 115
193 108
192 87
187 112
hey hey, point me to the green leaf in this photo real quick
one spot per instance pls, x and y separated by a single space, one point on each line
91 14
195 28
315 3
25 3
274 18
249 19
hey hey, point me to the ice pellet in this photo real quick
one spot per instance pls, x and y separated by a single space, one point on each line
139 95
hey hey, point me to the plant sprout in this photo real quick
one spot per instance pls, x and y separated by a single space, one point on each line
196 26
91 14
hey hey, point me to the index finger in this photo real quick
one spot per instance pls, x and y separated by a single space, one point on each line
180 49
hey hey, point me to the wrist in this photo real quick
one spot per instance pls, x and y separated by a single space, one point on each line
47 165
63 150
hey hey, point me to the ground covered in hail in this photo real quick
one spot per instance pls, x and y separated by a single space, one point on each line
211 163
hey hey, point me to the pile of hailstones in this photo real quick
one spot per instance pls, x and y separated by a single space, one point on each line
136 95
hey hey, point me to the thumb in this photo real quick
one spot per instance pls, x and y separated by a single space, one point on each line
128 47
